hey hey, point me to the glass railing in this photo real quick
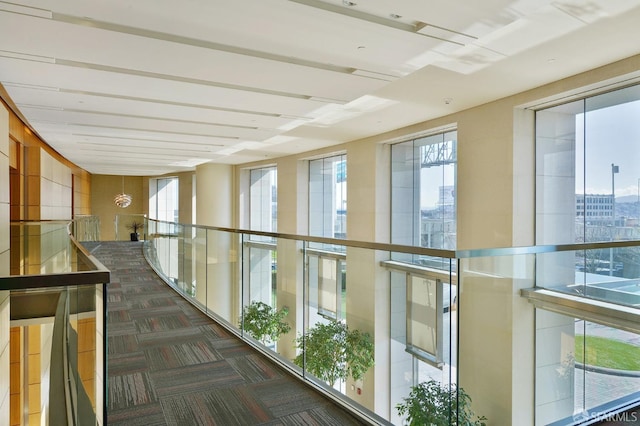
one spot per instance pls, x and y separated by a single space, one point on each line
585 347
54 295
599 272
86 228
375 326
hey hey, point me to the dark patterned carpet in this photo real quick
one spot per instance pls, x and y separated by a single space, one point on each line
169 364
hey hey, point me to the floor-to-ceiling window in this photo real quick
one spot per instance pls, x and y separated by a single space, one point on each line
163 206
423 213
328 197
327 218
326 273
263 199
163 199
423 192
587 190
262 214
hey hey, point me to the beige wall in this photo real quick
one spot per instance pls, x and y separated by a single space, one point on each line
55 189
104 188
368 168
214 190
186 194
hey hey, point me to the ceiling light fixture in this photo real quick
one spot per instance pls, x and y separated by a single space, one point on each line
122 200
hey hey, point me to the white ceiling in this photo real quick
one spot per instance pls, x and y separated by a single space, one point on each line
149 87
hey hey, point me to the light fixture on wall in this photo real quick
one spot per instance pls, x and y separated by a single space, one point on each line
122 200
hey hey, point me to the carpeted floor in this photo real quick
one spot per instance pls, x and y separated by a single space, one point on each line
169 364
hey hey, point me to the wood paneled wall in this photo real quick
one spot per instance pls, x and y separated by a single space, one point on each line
37 169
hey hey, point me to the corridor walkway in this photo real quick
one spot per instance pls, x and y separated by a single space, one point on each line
169 364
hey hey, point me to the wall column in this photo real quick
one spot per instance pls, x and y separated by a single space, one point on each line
293 176
495 209
213 192
186 188
368 289
219 250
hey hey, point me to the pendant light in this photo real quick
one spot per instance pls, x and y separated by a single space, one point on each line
122 200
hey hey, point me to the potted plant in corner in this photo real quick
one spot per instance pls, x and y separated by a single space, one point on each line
134 227
332 352
431 403
264 323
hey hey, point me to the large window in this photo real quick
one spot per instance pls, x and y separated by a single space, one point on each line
163 206
587 190
328 197
326 268
588 178
588 184
263 201
163 199
423 192
262 257
423 213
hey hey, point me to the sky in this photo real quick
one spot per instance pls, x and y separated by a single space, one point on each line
433 178
612 136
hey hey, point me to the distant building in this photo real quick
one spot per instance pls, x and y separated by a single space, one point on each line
594 206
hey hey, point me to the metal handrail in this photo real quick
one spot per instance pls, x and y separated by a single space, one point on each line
97 274
401 248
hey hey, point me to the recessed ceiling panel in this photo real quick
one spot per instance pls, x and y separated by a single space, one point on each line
278 27
149 137
130 106
128 123
99 48
152 89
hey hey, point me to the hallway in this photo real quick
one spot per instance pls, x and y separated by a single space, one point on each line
169 364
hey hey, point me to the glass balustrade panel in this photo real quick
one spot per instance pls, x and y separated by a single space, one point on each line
57 337
588 273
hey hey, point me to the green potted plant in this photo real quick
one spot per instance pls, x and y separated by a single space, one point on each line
134 227
263 322
431 403
332 352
